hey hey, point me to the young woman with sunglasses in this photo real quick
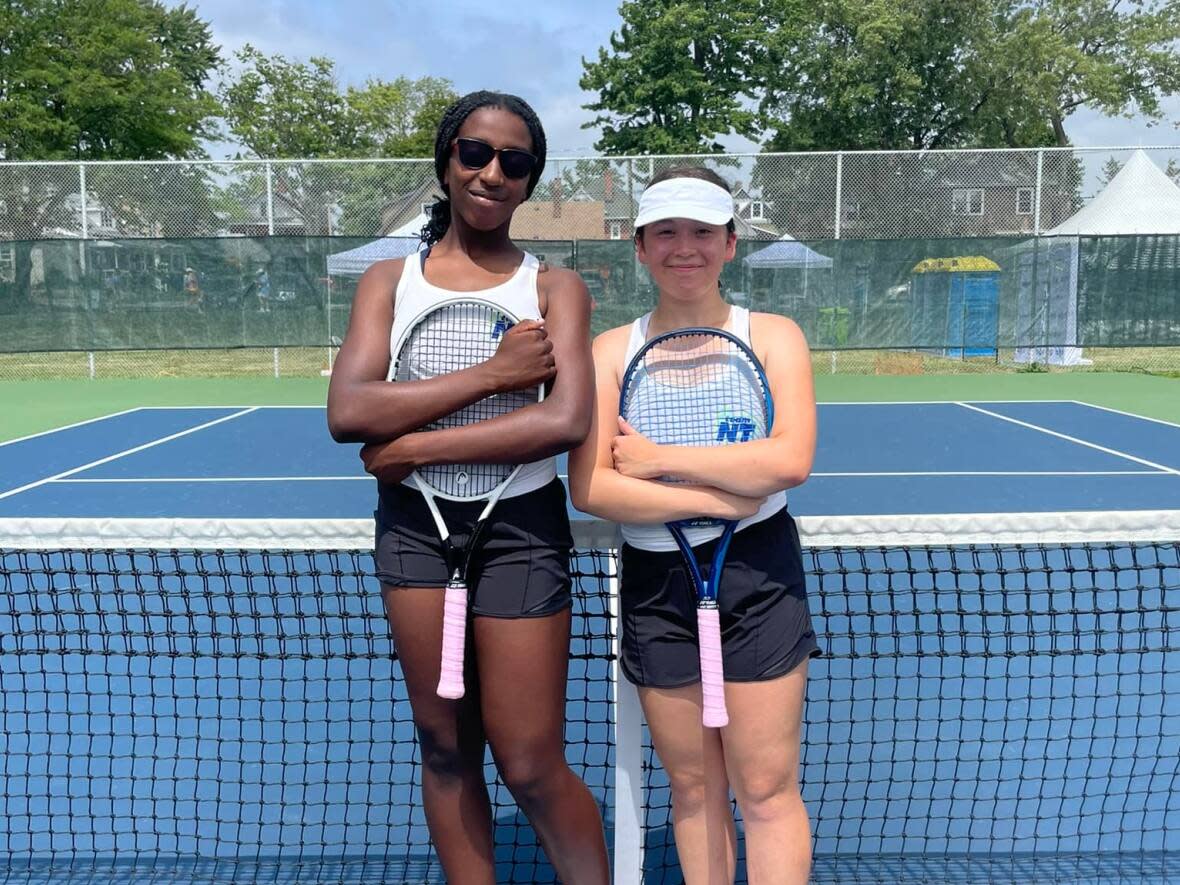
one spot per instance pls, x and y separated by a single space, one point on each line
489 153
684 236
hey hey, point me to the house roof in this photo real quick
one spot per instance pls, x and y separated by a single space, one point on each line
405 207
567 220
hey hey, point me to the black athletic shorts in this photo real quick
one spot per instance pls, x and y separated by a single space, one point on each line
766 626
521 564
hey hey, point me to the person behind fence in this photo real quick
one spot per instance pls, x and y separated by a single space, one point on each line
684 236
192 288
262 289
489 153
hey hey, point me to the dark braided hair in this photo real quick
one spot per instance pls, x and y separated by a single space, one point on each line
448 128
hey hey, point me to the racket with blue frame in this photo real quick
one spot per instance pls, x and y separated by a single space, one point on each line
699 387
449 337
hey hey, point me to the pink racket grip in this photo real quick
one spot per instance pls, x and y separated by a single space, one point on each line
454 640
712 670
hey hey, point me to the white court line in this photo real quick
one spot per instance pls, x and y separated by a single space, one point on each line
877 473
226 406
1128 414
9 442
117 455
1073 439
192 479
195 479
934 402
1002 473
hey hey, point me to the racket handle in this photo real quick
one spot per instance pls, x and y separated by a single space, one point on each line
712 672
454 640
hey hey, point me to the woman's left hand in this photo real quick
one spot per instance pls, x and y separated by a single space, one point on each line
635 455
388 461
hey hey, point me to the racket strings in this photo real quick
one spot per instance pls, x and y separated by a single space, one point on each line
699 390
449 339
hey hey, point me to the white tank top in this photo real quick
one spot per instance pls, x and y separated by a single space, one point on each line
654 536
517 295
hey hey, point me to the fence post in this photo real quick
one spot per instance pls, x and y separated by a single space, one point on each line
628 783
270 202
1037 193
85 231
82 194
839 186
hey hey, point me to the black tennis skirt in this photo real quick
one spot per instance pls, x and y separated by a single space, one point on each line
766 628
521 564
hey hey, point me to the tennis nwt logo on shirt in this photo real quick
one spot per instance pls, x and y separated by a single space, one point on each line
734 428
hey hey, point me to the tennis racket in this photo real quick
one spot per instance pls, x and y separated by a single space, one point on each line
699 387
447 338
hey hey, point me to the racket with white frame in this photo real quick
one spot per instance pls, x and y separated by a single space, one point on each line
699 387
449 337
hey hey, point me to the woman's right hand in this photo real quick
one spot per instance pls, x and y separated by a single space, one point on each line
524 358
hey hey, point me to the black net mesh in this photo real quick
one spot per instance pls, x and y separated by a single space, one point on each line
989 713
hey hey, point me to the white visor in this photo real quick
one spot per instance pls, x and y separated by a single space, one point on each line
685 198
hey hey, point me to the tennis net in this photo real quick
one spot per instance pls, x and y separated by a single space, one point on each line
220 702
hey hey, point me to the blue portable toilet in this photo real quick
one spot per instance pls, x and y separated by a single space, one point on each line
956 306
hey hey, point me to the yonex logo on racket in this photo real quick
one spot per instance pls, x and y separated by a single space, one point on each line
735 428
500 326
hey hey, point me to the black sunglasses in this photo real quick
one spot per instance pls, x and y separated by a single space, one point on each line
475 154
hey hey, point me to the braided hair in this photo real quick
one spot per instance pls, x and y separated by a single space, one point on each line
448 129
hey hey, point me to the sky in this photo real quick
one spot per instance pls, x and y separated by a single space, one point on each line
533 48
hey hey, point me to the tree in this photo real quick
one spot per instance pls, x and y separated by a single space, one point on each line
278 107
94 80
918 74
103 79
399 118
1117 56
881 74
679 73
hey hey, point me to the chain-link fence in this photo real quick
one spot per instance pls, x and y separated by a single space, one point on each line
891 261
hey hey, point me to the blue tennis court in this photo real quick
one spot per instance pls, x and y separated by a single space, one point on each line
873 459
209 693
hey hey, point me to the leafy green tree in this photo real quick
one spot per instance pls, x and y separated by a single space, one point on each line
1115 56
94 80
399 118
880 74
278 107
679 73
103 79
877 74
918 74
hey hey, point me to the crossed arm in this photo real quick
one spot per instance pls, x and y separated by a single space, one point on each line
364 407
613 473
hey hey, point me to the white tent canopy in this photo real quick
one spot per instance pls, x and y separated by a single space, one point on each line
786 251
397 244
1140 199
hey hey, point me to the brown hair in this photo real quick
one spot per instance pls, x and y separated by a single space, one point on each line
701 172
